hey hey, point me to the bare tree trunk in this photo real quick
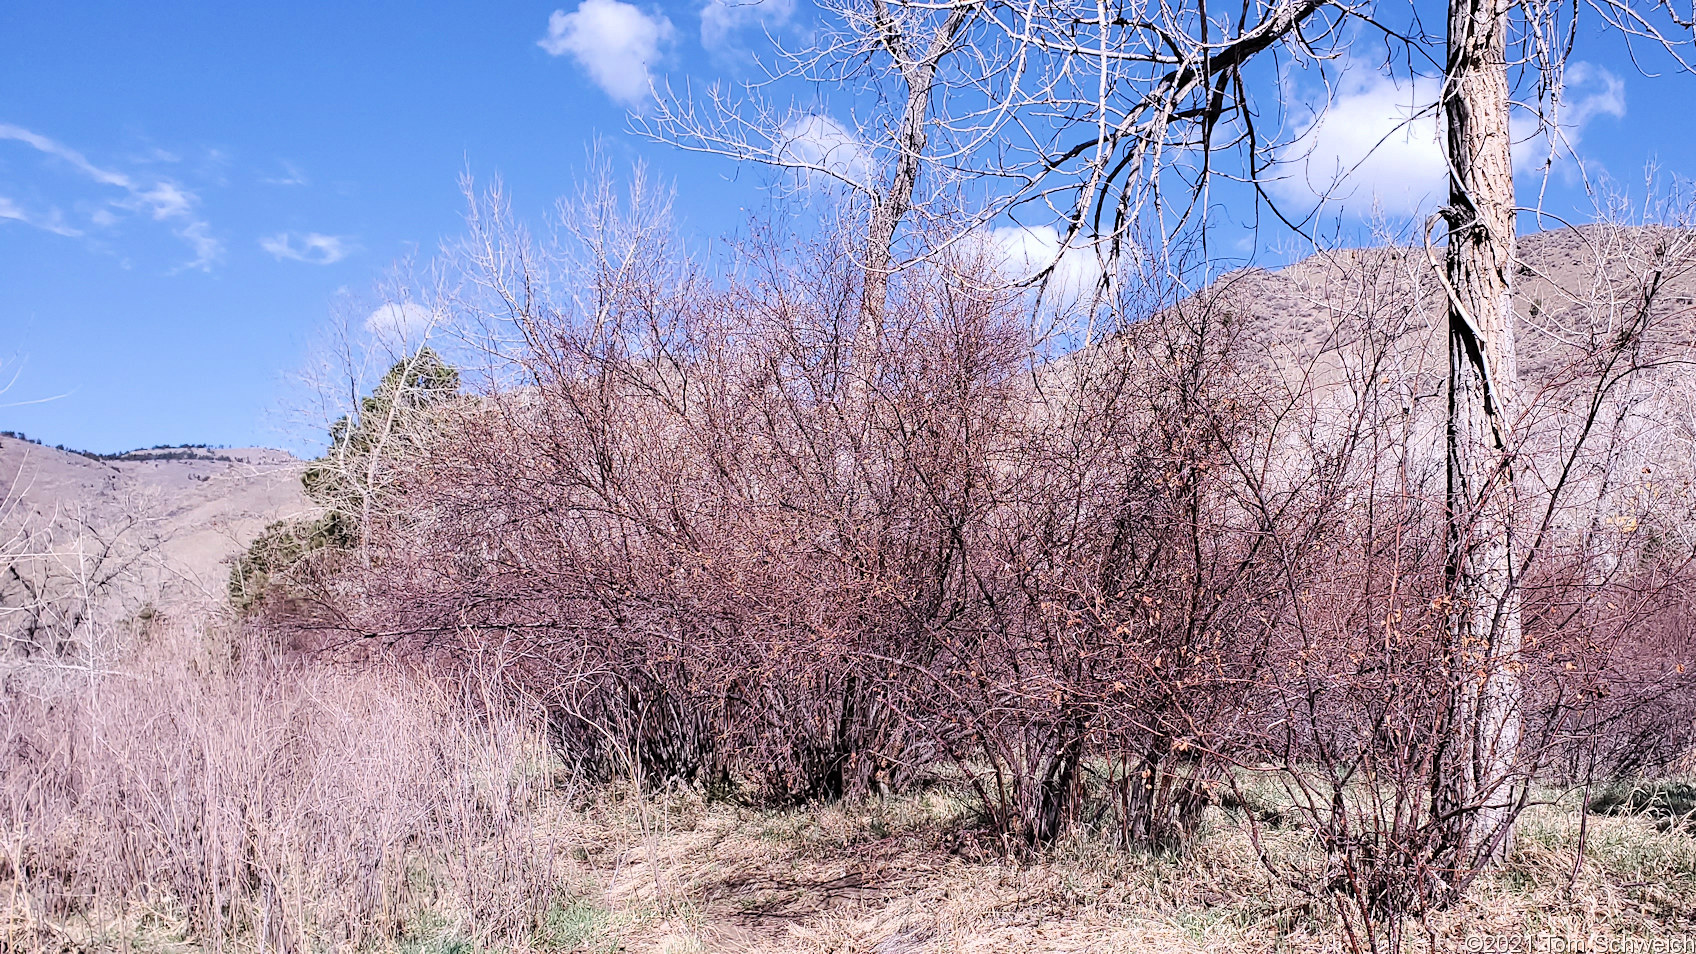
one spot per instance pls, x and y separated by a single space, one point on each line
1484 618
892 205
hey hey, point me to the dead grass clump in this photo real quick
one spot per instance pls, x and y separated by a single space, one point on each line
239 796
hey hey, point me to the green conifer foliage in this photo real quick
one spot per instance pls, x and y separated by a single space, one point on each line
352 475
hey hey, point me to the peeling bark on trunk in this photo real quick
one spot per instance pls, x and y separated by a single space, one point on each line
1479 779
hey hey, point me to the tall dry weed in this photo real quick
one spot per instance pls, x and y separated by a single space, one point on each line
277 802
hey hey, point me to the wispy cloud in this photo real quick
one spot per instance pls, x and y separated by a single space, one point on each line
52 221
80 162
724 22
164 200
160 199
313 248
207 249
155 154
615 43
291 176
1587 91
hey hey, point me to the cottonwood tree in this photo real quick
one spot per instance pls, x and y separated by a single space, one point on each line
1484 614
904 51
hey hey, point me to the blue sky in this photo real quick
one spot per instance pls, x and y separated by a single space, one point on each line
186 187
243 131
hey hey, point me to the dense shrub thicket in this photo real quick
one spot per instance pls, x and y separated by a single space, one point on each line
1100 572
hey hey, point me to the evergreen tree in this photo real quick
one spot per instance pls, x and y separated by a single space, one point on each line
390 423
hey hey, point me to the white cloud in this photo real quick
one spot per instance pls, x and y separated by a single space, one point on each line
403 321
1378 142
824 146
1609 100
312 248
78 160
166 200
53 221
1021 252
1587 91
207 248
723 20
614 42
162 200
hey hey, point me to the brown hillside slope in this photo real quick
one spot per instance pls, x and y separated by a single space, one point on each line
1572 288
191 516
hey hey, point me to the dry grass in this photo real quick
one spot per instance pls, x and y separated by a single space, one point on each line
207 800
212 790
906 875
